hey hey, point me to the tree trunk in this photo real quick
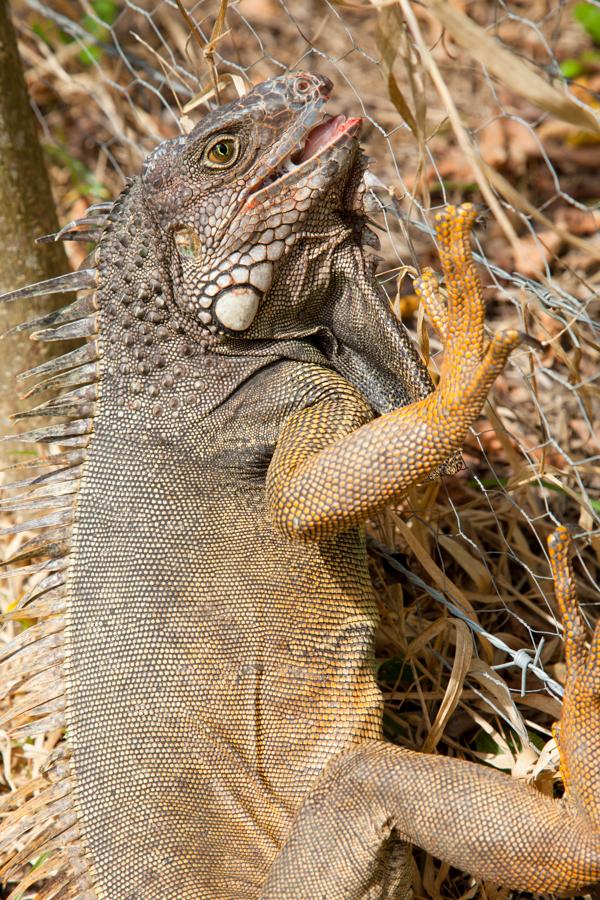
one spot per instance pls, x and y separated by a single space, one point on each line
26 211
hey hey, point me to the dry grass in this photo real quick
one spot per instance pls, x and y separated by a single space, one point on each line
449 115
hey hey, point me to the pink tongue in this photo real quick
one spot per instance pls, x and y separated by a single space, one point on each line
322 135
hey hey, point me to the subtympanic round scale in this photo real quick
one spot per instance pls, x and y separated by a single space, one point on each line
236 308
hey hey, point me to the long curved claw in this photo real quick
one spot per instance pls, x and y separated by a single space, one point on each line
559 547
496 355
426 289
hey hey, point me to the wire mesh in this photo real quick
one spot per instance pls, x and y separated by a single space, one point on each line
110 78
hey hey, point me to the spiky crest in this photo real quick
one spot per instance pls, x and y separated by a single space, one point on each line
41 816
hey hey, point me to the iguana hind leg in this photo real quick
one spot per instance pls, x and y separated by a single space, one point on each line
475 818
318 485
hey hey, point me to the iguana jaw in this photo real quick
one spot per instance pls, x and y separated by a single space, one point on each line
319 144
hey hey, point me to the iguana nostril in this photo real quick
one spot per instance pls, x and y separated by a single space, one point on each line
326 86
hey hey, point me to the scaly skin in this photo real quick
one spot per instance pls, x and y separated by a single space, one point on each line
213 636
472 817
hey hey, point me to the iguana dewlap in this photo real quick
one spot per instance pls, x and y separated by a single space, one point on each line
244 401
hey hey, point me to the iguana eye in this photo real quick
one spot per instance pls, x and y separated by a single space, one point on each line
223 152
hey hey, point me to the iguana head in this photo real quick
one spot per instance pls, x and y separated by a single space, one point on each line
233 197
247 237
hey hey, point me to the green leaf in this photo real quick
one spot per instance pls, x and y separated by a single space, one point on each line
84 180
90 55
589 17
43 31
484 743
538 740
463 187
571 68
106 10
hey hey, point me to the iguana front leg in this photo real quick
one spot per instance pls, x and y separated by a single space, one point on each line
317 486
473 817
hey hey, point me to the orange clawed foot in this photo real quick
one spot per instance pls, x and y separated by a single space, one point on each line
579 732
469 367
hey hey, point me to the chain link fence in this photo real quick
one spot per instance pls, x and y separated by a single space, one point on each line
488 100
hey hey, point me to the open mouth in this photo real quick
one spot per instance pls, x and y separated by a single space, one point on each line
315 143
324 135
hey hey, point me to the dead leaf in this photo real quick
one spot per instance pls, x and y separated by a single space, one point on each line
533 252
519 201
510 69
474 568
492 144
492 684
460 667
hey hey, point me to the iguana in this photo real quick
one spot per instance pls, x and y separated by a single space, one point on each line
245 399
